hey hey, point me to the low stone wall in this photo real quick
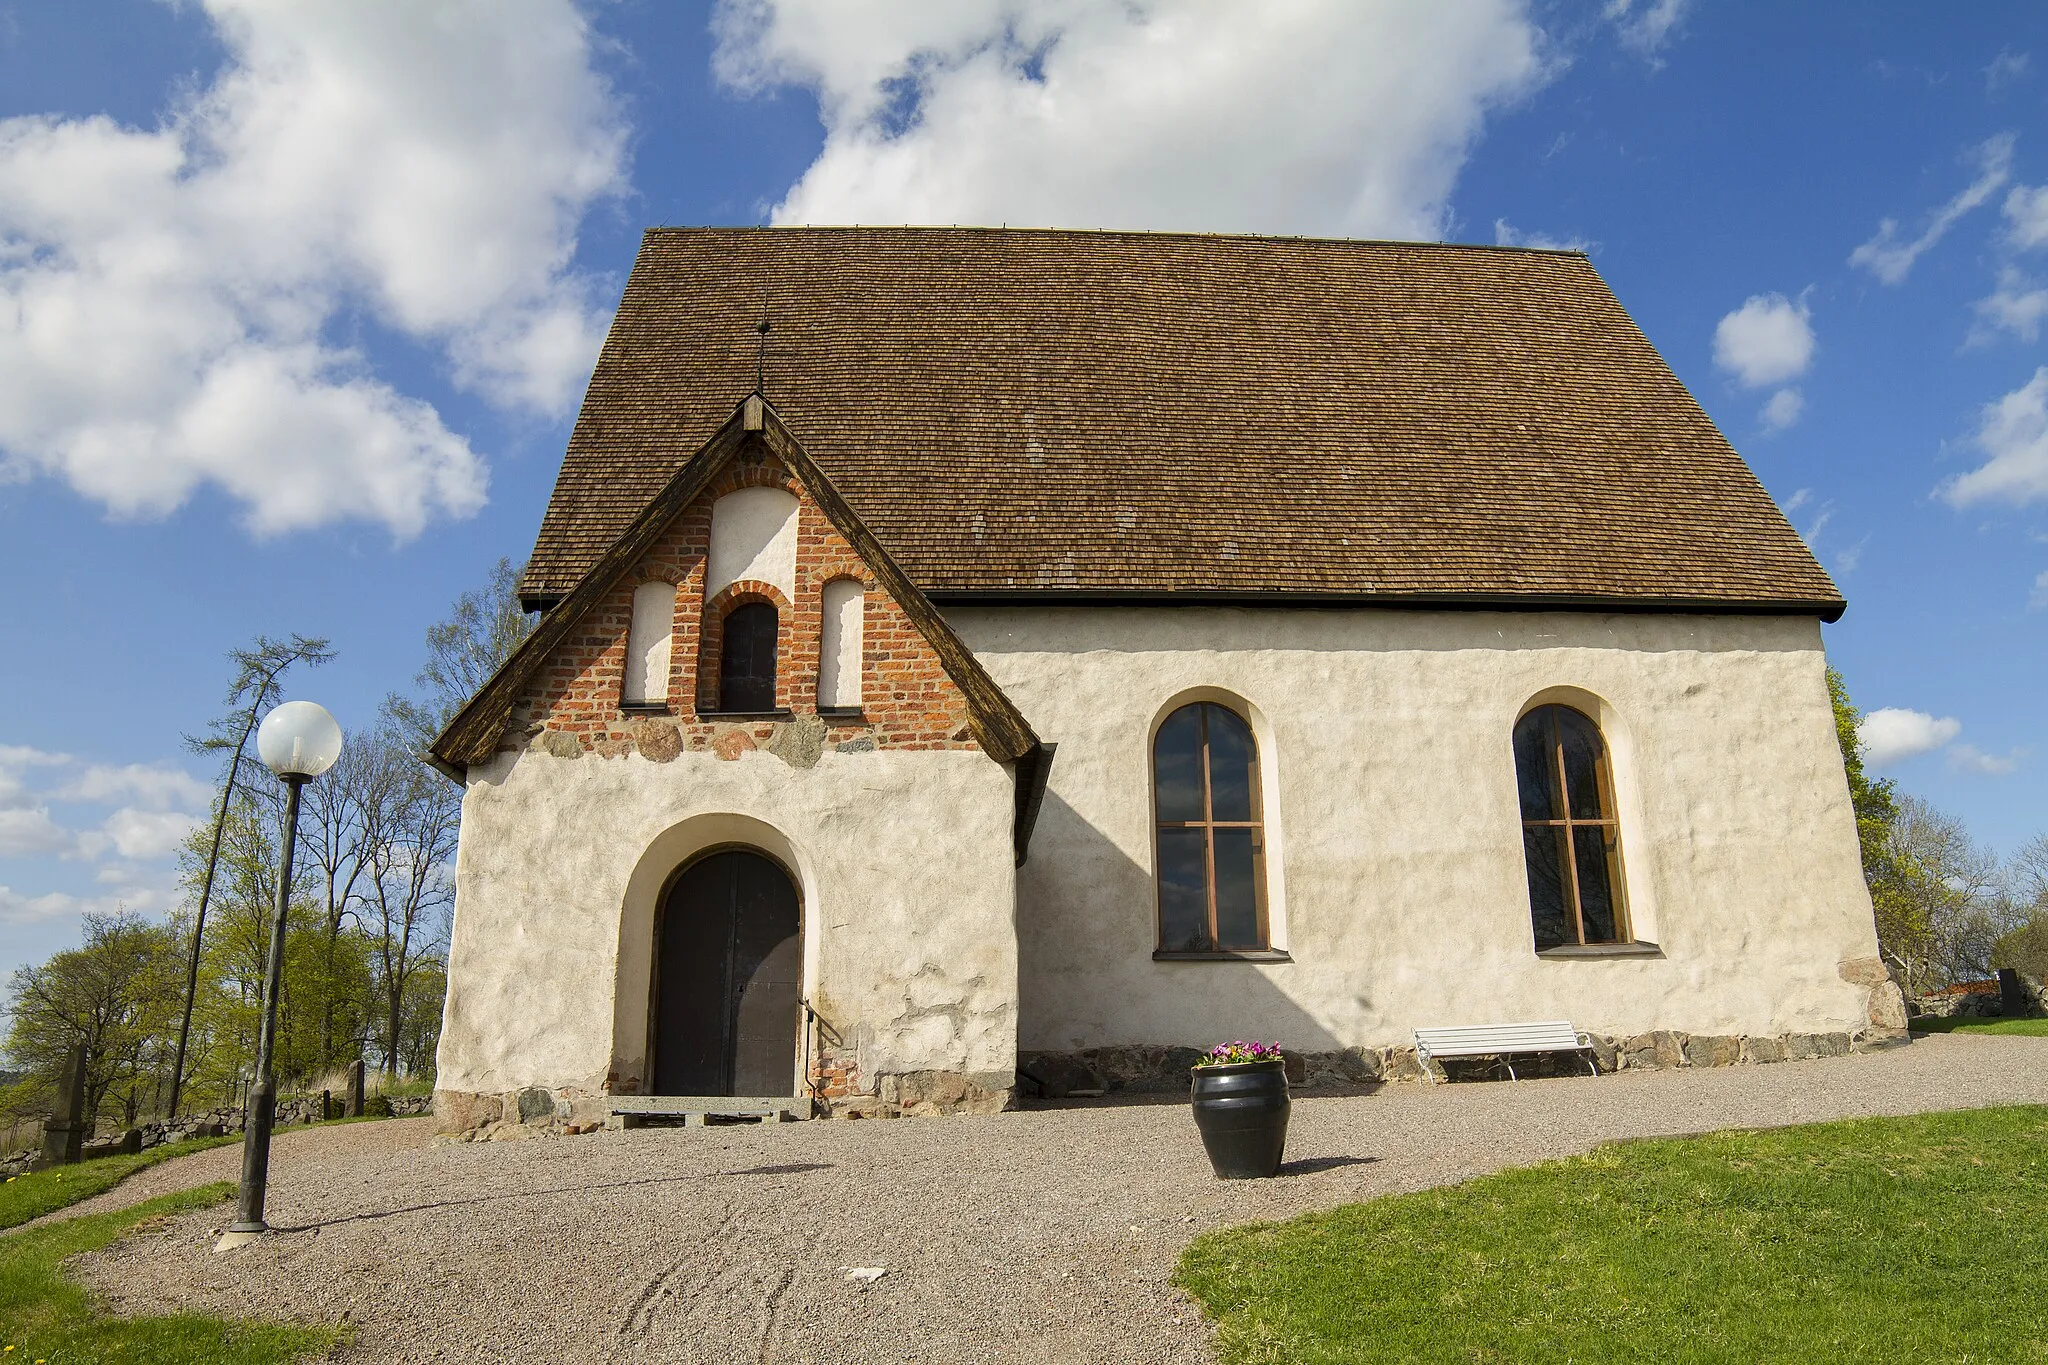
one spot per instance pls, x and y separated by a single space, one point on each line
2011 995
295 1109
1162 1070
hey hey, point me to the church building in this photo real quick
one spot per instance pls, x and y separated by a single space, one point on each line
973 659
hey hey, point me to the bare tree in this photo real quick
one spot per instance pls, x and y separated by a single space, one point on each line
331 837
410 819
254 690
481 632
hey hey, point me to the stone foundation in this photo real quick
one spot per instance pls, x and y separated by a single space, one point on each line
1146 1069
537 1111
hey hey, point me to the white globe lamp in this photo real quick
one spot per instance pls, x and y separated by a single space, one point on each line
298 739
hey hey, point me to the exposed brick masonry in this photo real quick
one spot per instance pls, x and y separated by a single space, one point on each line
907 701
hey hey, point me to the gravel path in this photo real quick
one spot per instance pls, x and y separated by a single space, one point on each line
1045 1236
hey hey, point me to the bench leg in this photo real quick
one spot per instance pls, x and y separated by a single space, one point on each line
1591 1068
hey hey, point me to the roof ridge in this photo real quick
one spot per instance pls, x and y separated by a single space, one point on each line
1148 233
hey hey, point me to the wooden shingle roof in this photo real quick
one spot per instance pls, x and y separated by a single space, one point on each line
1027 414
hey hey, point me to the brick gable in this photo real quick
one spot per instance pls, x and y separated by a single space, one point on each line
907 699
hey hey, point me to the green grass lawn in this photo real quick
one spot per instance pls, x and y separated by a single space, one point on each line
2029 1028
1917 1238
23 1197
46 1317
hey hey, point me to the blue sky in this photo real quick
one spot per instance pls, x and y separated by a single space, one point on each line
303 297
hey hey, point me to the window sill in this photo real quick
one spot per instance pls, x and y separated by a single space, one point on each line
1248 955
646 708
746 715
842 715
1572 950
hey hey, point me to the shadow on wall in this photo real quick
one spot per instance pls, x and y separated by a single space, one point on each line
1091 889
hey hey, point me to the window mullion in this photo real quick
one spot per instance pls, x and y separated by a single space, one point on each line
1571 852
1209 835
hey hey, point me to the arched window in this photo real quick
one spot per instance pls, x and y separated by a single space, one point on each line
839 645
1571 840
647 644
1212 865
746 658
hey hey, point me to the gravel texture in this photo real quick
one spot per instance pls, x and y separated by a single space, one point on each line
1040 1236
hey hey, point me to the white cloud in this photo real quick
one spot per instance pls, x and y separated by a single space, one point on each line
2017 308
1890 259
1893 733
1301 116
2026 216
1505 234
1811 535
28 831
1970 758
20 908
1782 410
2006 68
2038 599
2014 433
1767 341
1646 29
1800 497
155 787
145 835
170 297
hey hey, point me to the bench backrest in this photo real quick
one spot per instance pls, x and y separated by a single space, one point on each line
1478 1040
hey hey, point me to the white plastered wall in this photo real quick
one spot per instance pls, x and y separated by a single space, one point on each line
903 860
1395 859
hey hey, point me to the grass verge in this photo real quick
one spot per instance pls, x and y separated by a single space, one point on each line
44 1316
2027 1028
36 1193
1872 1240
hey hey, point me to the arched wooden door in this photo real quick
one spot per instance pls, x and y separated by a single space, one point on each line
727 982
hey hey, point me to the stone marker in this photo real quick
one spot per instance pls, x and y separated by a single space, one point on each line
355 1089
65 1131
2015 1001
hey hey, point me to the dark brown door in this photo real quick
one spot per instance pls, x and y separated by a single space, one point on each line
728 980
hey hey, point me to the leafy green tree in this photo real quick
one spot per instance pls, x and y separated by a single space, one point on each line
116 995
1903 931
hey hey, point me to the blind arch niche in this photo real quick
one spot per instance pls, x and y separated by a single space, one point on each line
648 642
841 610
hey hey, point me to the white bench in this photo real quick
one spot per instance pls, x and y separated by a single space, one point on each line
1503 1041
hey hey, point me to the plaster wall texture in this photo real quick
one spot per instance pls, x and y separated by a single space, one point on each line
904 865
1394 853
753 536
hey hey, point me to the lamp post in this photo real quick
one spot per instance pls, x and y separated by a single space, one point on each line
298 741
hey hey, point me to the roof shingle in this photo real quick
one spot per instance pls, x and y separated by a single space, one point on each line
1030 412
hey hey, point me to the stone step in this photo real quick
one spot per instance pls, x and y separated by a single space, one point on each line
633 1111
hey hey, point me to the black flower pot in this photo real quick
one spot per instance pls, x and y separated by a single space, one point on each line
1241 1110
